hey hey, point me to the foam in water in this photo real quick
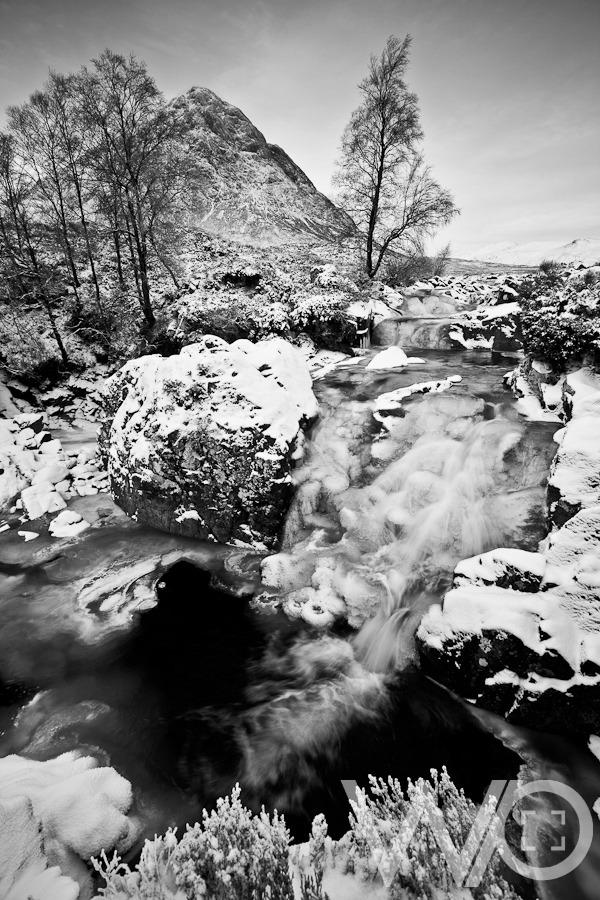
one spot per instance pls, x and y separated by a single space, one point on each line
406 515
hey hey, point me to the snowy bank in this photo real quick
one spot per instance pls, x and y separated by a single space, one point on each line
519 633
78 809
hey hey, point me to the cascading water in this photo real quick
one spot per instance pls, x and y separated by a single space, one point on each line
203 691
387 506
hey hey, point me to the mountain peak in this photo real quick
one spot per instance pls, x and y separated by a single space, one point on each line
245 188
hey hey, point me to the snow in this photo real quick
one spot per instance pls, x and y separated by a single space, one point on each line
68 524
469 610
488 567
501 311
392 358
28 535
581 250
575 469
40 470
271 376
594 747
82 809
41 498
24 872
393 399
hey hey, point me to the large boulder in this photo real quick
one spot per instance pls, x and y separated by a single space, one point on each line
202 444
519 633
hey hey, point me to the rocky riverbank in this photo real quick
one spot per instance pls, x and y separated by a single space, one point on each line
519 634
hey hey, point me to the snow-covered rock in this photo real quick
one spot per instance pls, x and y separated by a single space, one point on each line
24 870
574 482
81 809
519 633
36 470
68 524
490 327
202 444
391 358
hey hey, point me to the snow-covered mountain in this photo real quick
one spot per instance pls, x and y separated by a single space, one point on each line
581 250
245 188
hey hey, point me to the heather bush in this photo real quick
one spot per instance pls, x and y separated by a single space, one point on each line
417 869
235 855
561 322
323 317
549 265
230 855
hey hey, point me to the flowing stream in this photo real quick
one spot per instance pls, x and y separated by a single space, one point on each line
206 687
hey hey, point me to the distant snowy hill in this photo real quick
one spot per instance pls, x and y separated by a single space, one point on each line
582 250
245 188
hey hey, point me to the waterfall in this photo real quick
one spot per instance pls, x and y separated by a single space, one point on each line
384 511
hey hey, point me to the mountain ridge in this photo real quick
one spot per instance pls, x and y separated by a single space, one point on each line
581 251
245 188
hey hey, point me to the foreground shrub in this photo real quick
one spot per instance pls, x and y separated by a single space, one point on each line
417 869
230 855
234 855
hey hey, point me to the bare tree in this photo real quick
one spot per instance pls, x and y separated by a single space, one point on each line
134 136
383 180
65 99
21 233
33 126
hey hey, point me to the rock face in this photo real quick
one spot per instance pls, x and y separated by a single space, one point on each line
247 189
202 444
519 633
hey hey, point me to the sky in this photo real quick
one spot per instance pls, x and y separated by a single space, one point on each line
509 90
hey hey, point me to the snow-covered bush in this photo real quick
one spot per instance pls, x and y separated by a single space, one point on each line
153 879
561 322
323 317
232 854
416 867
232 315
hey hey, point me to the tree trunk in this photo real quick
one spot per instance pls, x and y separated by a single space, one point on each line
45 299
142 255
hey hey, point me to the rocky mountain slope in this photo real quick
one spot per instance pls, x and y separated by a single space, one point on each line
584 251
247 189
